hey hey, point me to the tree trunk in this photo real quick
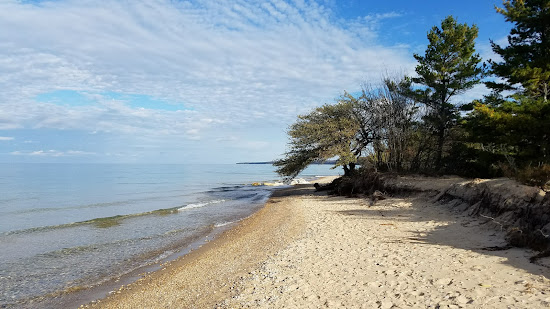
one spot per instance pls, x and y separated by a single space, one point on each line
439 155
349 171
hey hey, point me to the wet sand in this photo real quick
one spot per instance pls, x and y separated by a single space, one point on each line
209 275
308 250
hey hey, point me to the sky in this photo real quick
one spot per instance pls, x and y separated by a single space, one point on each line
199 81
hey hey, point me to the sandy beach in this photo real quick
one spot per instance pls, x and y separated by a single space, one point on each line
305 249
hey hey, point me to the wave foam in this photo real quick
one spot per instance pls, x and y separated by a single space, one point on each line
299 181
199 205
225 223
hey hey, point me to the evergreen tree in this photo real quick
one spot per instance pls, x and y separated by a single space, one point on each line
521 120
449 67
526 60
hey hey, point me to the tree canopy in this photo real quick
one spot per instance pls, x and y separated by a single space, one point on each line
525 65
449 67
328 131
518 111
376 122
414 124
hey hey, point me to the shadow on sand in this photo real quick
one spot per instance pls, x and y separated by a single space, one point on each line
455 229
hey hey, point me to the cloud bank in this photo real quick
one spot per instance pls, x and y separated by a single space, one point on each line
234 66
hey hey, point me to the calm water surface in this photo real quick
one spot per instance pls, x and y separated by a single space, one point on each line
77 225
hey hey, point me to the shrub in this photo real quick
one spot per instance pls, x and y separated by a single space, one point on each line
535 176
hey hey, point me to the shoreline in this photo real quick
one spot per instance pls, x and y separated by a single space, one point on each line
65 267
309 250
215 260
76 297
94 296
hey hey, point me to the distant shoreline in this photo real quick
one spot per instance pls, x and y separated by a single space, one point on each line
330 162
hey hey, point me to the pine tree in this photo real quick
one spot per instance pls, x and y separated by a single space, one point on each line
521 118
526 60
449 67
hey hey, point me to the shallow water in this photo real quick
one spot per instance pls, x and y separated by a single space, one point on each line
65 225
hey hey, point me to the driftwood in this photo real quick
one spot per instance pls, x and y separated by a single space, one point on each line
377 196
326 187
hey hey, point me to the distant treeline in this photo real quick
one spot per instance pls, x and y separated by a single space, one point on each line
415 125
329 162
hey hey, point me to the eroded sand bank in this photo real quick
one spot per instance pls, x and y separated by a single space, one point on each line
313 251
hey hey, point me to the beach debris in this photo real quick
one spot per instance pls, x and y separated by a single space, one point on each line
376 196
444 281
324 187
463 300
379 195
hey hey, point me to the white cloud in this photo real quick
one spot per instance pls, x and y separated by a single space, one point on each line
230 138
232 63
254 145
476 93
52 153
486 52
6 138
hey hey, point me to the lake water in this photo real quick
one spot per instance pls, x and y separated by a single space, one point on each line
70 226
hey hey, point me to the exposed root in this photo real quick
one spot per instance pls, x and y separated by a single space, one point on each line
498 248
494 220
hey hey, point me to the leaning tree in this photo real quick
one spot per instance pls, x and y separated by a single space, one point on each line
329 131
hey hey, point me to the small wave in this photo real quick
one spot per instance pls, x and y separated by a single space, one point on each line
225 223
103 222
199 205
118 203
244 196
142 183
224 189
267 184
260 197
299 181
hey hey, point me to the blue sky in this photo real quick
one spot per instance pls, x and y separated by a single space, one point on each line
198 81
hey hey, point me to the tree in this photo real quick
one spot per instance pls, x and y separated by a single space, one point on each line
377 122
448 68
522 118
328 131
526 62
389 113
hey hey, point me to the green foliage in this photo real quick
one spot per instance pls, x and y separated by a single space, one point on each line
536 176
408 125
448 68
517 126
473 160
329 131
520 128
378 124
526 60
